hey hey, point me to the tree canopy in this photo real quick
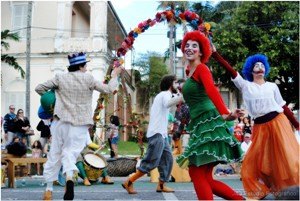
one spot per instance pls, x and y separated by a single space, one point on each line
150 68
270 28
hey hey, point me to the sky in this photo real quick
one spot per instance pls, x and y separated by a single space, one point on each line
132 12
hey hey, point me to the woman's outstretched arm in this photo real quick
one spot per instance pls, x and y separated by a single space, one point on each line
223 62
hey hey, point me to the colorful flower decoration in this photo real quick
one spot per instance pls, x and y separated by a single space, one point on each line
171 16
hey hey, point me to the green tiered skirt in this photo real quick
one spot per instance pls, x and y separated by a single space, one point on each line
210 141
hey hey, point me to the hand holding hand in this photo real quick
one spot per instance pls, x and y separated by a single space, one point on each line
239 112
233 115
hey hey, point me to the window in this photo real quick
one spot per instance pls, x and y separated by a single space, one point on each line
15 98
80 20
19 18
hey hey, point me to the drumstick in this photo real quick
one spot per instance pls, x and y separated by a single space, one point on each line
101 147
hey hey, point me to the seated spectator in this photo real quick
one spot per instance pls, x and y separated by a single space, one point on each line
240 122
247 142
247 125
37 152
238 133
16 147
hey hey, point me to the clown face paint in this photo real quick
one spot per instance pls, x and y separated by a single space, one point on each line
192 50
259 68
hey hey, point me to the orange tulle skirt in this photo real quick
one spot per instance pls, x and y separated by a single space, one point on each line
272 161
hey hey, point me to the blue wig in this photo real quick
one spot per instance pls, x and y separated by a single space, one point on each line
250 62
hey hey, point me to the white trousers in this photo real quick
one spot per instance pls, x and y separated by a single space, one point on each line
67 143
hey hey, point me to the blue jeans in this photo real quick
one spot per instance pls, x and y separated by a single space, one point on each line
115 140
158 155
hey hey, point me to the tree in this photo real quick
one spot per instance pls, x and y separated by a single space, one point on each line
10 60
150 69
271 28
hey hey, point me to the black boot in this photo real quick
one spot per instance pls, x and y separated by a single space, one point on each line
69 193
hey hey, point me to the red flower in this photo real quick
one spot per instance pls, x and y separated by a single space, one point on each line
181 15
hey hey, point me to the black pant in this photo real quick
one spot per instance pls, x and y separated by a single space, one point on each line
112 153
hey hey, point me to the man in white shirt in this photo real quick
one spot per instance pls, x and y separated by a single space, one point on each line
247 142
159 152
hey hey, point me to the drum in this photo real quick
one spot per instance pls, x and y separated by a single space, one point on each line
94 165
121 167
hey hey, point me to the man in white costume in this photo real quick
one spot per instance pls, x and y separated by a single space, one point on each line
72 117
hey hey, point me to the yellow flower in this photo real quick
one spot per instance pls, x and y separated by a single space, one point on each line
207 26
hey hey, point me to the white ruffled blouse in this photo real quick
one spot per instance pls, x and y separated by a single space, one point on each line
260 99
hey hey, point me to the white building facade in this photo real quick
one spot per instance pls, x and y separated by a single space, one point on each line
57 29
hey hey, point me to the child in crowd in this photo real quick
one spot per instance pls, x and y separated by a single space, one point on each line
37 152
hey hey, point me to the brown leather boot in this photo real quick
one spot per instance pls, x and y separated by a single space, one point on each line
107 180
47 195
128 185
162 188
86 182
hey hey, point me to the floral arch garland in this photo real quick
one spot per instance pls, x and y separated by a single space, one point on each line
172 17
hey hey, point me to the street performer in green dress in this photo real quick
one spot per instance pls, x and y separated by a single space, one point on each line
210 141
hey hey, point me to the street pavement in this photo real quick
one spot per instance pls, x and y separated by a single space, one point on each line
34 188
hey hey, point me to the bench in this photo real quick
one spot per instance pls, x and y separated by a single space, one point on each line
13 162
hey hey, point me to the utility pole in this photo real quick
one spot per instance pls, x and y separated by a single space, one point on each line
171 48
174 50
28 52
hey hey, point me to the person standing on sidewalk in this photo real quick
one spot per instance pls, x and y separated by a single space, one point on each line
114 134
159 152
72 118
9 124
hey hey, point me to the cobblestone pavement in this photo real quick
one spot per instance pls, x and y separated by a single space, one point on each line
33 190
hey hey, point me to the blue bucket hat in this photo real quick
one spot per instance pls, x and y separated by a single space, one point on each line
77 58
